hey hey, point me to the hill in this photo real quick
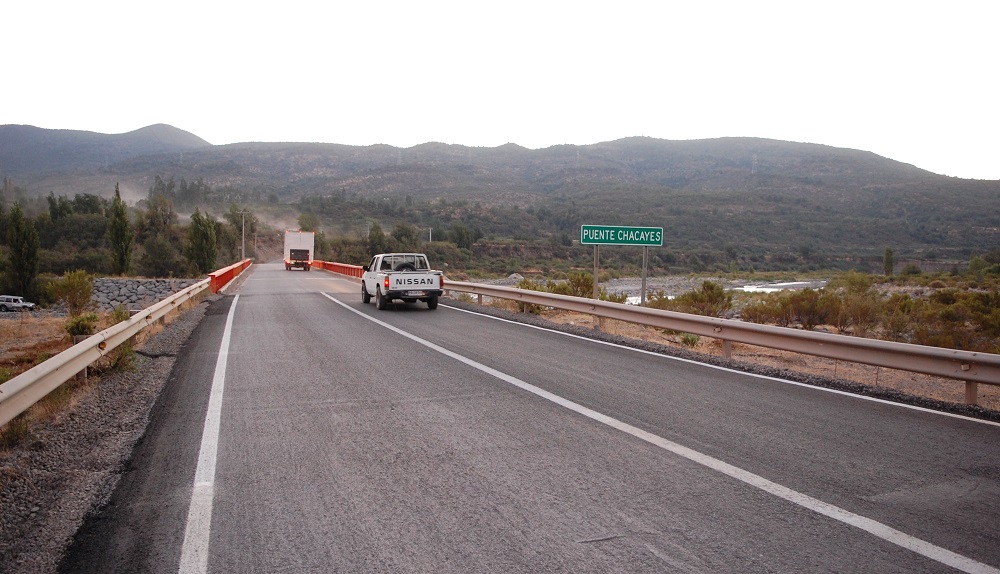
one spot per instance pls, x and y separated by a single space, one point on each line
27 151
757 201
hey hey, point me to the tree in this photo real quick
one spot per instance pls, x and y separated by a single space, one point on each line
90 203
201 249
22 238
887 262
160 215
59 207
376 239
121 235
464 237
308 222
159 258
166 189
407 237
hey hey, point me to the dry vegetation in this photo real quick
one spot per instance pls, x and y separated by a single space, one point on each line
26 341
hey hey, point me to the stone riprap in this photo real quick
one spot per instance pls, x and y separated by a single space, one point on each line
135 294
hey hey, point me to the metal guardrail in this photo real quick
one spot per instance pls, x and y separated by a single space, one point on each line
20 393
971 367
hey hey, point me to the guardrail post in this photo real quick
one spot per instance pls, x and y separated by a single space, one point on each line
727 349
971 393
82 375
479 298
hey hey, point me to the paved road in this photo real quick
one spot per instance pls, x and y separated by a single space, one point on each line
353 440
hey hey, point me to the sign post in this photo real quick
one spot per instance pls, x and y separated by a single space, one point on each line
598 235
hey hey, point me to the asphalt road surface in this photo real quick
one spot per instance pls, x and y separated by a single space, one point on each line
344 439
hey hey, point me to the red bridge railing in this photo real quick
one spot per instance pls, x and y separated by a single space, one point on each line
342 268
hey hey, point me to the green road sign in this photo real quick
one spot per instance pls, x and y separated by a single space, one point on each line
617 235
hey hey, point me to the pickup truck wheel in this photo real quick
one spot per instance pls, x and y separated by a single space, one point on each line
405 267
366 298
380 302
3 308
432 303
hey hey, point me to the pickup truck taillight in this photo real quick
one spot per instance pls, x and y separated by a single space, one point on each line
386 283
441 279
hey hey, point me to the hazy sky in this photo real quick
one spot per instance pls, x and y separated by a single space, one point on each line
911 80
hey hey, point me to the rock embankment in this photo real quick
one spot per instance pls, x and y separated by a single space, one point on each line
135 294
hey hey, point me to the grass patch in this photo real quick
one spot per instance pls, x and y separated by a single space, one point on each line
690 339
16 432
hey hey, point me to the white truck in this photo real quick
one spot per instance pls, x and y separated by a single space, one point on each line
299 246
401 276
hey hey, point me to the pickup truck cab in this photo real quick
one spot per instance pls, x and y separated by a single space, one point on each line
401 276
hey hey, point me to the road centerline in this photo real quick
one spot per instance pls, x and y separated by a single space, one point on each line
882 531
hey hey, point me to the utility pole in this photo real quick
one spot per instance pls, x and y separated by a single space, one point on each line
243 235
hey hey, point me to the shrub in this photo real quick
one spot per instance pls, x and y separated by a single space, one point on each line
861 312
896 317
712 300
580 284
852 282
805 306
74 290
82 325
659 300
612 297
759 310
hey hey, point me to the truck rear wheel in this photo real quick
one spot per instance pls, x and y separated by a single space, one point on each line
380 302
366 298
432 303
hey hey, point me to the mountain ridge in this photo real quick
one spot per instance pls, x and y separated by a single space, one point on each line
773 197
30 151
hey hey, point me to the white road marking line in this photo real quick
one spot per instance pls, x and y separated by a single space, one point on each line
194 552
729 370
886 533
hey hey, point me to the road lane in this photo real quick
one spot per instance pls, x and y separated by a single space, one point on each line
389 373
345 446
932 476
985 490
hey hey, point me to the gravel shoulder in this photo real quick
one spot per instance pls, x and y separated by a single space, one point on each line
70 466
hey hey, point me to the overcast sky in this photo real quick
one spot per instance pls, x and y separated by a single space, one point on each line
910 80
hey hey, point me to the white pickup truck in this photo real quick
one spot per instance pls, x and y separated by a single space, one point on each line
404 276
